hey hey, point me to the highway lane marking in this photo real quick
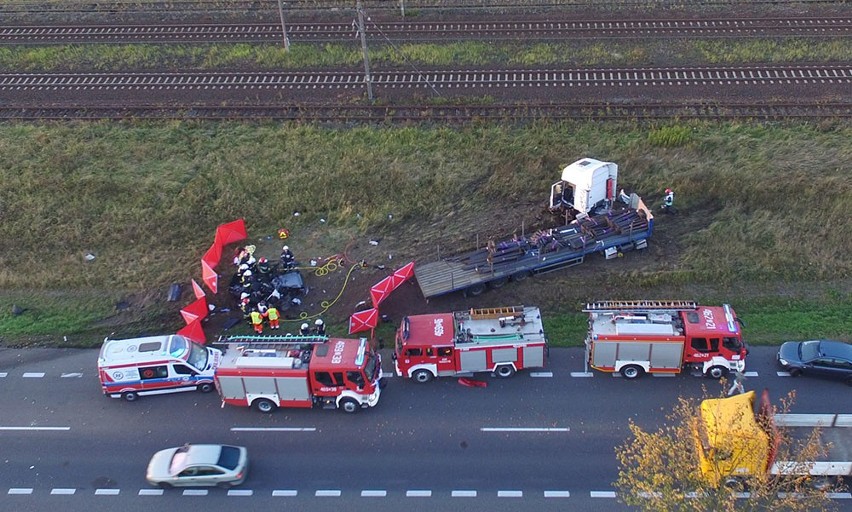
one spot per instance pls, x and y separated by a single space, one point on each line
373 494
541 374
525 429
582 374
386 375
783 374
240 492
332 493
751 374
840 495
150 492
510 494
36 428
33 375
64 491
602 494
463 494
20 490
273 429
107 492
418 494
195 492
3 374
70 375
284 492
557 494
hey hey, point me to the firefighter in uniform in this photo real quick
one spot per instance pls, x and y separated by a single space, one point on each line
305 329
272 315
668 201
256 321
319 327
288 259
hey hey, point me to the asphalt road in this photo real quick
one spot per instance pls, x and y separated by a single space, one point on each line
434 446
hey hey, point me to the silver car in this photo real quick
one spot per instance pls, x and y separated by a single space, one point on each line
198 465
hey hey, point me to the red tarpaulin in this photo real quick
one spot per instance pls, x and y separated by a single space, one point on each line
382 289
405 272
195 311
197 290
194 332
231 232
208 275
363 320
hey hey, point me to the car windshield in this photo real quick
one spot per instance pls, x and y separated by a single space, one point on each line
809 350
197 355
229 458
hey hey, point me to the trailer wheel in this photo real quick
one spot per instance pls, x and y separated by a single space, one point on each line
474 290
498 283
716 372
422 376
130 396
520 276
632 371
206 387
349 405
264 405
505 371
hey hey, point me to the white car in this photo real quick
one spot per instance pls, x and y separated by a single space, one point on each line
198 465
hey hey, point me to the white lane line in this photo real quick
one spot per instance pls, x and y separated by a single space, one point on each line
33 375
541 374
3 374
333 493
557 494
510 494
751 374
107 492
418 494
602 494
273 429
373 493
195 492
783 374
240 492
65 491
663 375
285 492
70 375
463 494
521 429
36 428
386 375
840 495
20 490
150 492
582 374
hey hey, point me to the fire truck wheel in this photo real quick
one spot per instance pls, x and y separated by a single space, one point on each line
632 371
422 376
130 396
349 405
206 387
716 372
505 371
264 405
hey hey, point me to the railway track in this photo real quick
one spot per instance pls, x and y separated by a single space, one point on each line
454 114
432 80
520 30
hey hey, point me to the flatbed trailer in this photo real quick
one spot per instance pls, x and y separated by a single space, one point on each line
618 230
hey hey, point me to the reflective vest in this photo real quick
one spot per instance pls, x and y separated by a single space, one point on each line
256 318
272 313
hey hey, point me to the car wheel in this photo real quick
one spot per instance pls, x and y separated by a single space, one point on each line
632 371
206 387
130 396
224 485
349 406
164 485
422 376
795 372
264 405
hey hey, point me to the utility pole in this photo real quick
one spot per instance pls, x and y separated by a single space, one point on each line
402 7
362 29
283 26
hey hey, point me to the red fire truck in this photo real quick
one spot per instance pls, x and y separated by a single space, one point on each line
498 340
267 372
646 336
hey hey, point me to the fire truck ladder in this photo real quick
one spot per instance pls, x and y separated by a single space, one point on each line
272 341
640 305
493 313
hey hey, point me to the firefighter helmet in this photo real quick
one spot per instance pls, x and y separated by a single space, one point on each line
286 248
262 260
318 322
668 191
305 326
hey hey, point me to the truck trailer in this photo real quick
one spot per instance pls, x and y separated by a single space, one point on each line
267 372
498 340
651 336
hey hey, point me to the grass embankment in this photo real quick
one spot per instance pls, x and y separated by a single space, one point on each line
466 54
769 208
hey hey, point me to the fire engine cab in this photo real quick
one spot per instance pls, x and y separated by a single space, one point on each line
499 340
267 372
637 337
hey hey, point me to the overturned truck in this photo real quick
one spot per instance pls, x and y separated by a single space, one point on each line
616 231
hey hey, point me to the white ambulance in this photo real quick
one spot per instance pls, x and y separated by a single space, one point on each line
155 365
